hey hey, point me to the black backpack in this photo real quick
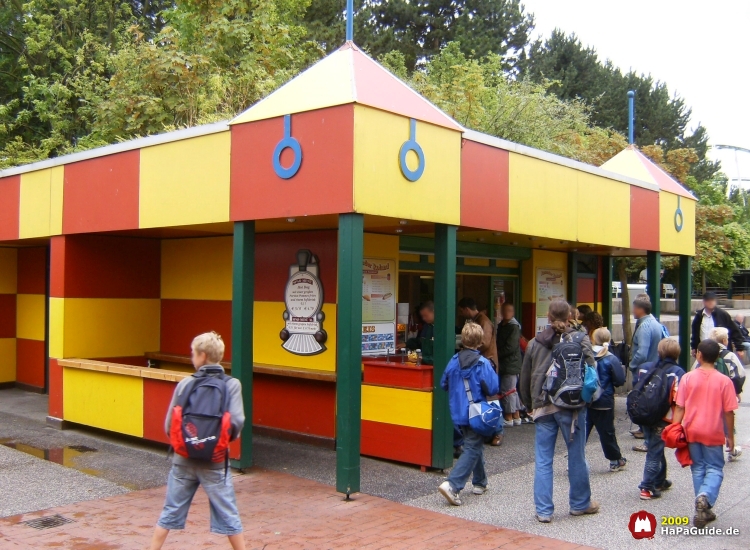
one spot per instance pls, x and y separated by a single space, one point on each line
565 376
201 423
649 400
728 368
621 351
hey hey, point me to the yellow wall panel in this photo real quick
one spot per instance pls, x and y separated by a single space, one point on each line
381 246
30 322
408 257
8 270
379 186
598 224
267 348
103 400
507 263
540 259
670 240
185 182
41 203
543 198
108 327
8 364
397 406
57 328
197 269
480 262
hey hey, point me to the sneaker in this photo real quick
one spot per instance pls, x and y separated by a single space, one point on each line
642 448
458 451
592 509
527 420
478 490
637 435
734 454
497 440
617 465
703 513
649 494
507 423
516 421
543 519
664 486
450 495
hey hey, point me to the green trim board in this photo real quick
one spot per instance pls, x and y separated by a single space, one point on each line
349 353
243 291
684 305
445 319
572 277
607 290
466 269
653 283
421 245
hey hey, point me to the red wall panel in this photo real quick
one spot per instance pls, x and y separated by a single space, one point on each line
101 194
293 404
103 266
484 186
528 327
157 394
275 252
7 315
324 182
30 362
644 219
585 294
55 389
10 207
393 442
183 320
32 270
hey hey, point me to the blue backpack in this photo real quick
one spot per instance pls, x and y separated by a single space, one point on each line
664 332
484 416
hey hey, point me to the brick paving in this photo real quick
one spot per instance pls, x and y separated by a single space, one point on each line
279 511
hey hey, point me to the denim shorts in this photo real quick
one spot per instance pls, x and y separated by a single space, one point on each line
181 486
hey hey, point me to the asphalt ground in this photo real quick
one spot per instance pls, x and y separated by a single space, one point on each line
120 465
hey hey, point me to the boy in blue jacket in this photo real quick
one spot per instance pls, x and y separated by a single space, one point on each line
470 365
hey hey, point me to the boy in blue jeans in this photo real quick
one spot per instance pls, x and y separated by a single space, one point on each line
467 364
187 474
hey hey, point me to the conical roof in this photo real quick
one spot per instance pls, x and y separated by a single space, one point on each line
631 162
347 76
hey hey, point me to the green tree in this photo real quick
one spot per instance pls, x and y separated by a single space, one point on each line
661 118
420 29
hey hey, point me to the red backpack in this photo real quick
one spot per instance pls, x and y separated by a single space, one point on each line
201 423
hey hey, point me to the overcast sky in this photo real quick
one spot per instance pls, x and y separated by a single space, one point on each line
700 49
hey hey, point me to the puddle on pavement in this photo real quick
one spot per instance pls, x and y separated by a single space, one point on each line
65 456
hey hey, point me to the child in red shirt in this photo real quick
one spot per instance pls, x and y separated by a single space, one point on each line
705 402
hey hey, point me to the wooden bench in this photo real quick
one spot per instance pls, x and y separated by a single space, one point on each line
290 372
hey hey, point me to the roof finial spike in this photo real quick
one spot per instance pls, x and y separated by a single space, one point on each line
631 116
349 20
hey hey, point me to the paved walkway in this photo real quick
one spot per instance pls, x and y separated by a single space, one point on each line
280 511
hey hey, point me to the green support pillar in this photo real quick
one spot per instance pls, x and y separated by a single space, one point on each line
606 269
653 276
445 342
349 353
573 278
243 290
684 299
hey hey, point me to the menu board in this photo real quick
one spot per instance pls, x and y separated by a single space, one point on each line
550 286
378 306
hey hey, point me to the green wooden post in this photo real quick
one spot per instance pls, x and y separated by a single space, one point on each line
243 289
445 342
606 269
653 276
684 298
349 353
573 278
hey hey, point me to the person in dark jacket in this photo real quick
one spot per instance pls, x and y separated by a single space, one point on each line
655 468
509 367
467 365
601 413
710 316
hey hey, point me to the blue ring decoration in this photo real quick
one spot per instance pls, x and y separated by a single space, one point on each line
678 214
287 142
411 145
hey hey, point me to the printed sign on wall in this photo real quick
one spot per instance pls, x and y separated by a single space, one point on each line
378 306
550 286
303 332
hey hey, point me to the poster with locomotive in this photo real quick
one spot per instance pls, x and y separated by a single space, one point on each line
303 332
